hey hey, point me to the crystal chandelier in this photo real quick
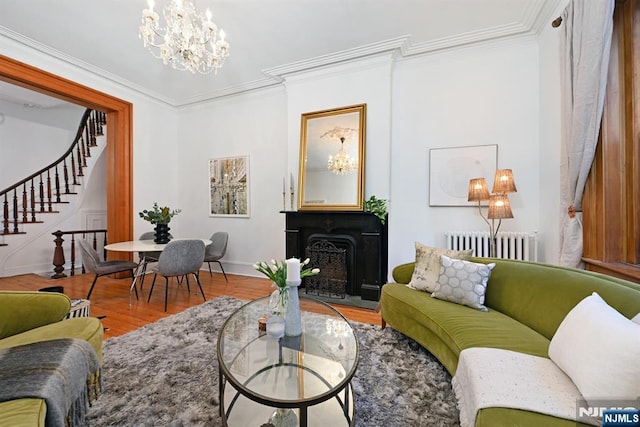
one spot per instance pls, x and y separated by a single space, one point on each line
341 163
188 41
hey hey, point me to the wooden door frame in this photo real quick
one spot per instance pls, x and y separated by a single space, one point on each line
119 149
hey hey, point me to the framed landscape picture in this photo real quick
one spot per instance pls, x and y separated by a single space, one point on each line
229 187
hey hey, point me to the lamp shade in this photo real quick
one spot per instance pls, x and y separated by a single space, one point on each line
478 190
499 207
503 182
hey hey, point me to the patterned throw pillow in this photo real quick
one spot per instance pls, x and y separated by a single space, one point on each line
427 267
463 282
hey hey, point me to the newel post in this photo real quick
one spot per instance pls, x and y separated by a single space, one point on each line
58 256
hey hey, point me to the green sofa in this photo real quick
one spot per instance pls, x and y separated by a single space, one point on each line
28 317
526 302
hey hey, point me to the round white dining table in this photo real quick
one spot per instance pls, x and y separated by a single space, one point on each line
143 245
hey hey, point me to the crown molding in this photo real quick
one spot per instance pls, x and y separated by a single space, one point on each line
337 57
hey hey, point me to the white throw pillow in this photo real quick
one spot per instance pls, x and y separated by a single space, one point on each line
598 348
463 282
636 319
427 266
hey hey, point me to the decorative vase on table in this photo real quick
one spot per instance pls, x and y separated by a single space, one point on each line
278 301
292 320
161 234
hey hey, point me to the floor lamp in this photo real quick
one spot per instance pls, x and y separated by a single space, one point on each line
499 206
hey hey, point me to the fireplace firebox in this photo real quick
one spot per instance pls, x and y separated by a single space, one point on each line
361 236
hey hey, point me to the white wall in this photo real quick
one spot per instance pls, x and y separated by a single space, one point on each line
550 138
488 93
44 143
479 95
253 124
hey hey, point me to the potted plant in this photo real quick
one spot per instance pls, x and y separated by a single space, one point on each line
160 217
378 207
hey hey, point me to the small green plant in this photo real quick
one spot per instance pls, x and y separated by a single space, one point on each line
378 207
159 215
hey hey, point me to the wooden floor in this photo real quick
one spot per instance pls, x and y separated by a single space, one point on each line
110 297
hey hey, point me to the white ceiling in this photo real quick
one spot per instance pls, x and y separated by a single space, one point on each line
268 38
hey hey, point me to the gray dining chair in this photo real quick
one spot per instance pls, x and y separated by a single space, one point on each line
93 264
148 256
216 250
179 258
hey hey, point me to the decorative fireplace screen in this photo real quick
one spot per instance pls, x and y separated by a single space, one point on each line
332 262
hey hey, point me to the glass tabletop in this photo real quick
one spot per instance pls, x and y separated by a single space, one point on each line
306 369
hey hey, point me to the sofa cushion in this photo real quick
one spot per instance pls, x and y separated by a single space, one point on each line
87 328
598 349
21 311
427 265
458 327
26 412
541 295
462 282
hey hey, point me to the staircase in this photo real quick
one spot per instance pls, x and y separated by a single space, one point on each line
31 199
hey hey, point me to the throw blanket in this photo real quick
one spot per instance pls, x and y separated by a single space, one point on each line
490 378
64 372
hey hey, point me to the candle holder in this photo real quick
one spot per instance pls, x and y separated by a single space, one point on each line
284 201
291 205
292 319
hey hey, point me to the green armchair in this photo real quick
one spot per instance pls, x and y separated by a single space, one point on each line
29 317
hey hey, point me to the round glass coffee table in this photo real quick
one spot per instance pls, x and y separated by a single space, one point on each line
303 380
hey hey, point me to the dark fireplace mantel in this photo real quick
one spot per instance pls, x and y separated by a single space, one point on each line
362 230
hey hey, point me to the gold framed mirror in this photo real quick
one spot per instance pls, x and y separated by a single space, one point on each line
332 144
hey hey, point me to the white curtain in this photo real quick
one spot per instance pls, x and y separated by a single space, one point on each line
585 52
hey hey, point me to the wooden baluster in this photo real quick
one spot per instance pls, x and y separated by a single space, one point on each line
79 147
41 186
73 255
87 140
15 211
49 195
93 129
99 123
56 183
66 177
73 168
25 205
5 216
58 256
33 202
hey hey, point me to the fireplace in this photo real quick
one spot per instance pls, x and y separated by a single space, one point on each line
358 238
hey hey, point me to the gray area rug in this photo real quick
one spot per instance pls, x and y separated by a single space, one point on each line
166 374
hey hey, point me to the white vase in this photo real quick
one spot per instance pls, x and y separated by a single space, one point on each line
292 320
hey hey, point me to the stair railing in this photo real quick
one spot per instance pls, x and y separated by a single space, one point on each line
58 253
38 192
